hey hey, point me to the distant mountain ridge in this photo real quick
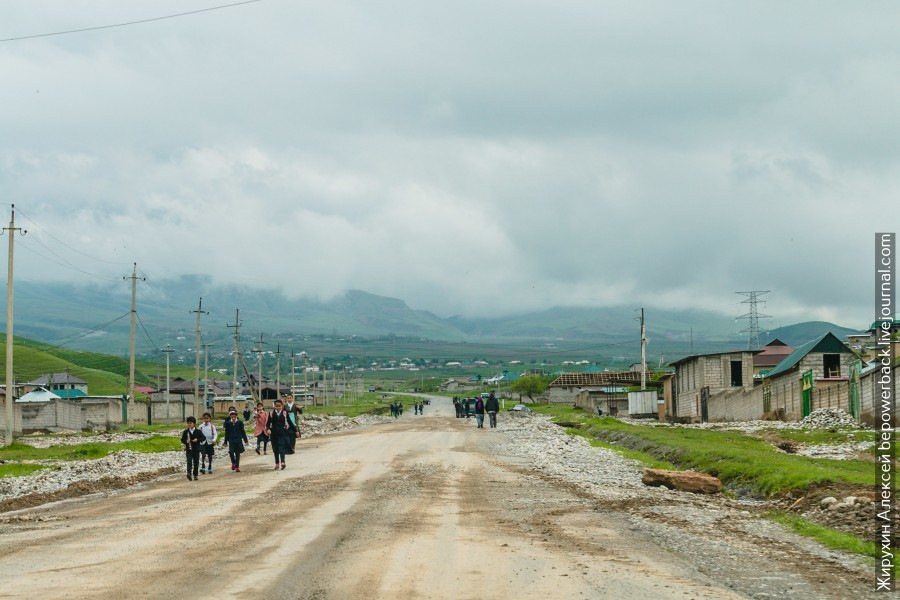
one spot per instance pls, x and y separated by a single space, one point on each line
66 314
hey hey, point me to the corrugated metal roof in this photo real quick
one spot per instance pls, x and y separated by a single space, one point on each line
827 342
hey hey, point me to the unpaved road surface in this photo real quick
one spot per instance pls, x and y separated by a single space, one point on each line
418 508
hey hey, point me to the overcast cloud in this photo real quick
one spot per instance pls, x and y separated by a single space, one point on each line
475 157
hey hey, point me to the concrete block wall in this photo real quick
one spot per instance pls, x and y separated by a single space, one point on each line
737 405
870 395
56 415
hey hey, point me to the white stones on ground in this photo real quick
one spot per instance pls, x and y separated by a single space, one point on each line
552 451
122 464
828 418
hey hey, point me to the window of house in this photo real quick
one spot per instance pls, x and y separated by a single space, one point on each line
737 373
831 365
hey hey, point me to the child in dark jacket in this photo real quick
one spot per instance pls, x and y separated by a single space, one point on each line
235 438
191 437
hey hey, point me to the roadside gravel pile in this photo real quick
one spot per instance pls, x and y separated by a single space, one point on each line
75 438
550 450
125 464
828 418
311 425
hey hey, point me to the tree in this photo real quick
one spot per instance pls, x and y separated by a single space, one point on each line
529 385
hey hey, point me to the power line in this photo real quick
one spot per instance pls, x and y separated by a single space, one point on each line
62 262
87 333
59 241
183 14
146 333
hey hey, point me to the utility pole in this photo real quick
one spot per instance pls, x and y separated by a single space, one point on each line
237 337
168 350
10 377
259 354
325 385
278 372
199 312
305 355
643 353
134 279
293 375
206 346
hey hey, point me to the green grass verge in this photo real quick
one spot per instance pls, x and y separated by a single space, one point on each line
642 457
17 470
830 538
90 450
823 436
744 463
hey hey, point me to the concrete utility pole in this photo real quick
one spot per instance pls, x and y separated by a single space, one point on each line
134 279
206 371
9 413
278 372
293 376
168 350
234 374
643 353
305 384
259 355
199 312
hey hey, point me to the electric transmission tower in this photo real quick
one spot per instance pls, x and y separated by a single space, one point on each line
753 317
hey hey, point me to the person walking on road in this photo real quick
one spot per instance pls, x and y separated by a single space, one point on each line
208 445
191 437
492 407
279 431
235 439
259 428
479 412
294 411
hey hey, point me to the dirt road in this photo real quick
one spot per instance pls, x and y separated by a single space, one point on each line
411 509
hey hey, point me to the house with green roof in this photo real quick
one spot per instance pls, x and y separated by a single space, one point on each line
815 375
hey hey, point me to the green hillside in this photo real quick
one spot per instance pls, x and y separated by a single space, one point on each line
105 374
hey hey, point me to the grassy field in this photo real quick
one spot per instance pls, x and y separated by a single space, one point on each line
745 464
89 450
18 470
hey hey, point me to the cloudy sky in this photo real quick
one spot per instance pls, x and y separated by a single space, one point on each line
476 157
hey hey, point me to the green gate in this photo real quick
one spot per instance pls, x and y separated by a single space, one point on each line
807 392
855 372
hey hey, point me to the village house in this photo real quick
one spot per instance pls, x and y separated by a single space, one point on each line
768 357
59 382
700 379
567 386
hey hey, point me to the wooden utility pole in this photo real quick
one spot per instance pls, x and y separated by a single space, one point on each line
199 312
10 414
168 350
134 279
237 337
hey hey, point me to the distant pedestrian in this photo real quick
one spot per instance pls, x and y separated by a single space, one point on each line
400 408
259 428
208 445
492 407
468 405
294 411
421 408
456 406
246 412
479 412
279 431
235 439
191 437
226 424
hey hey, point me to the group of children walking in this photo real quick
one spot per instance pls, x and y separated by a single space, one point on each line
280 427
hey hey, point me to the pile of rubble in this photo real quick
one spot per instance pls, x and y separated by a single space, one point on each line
828 418
124 464
73 438
311 425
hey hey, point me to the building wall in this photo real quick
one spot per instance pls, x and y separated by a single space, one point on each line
100 413
55 415
815 362
870 395
713 371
